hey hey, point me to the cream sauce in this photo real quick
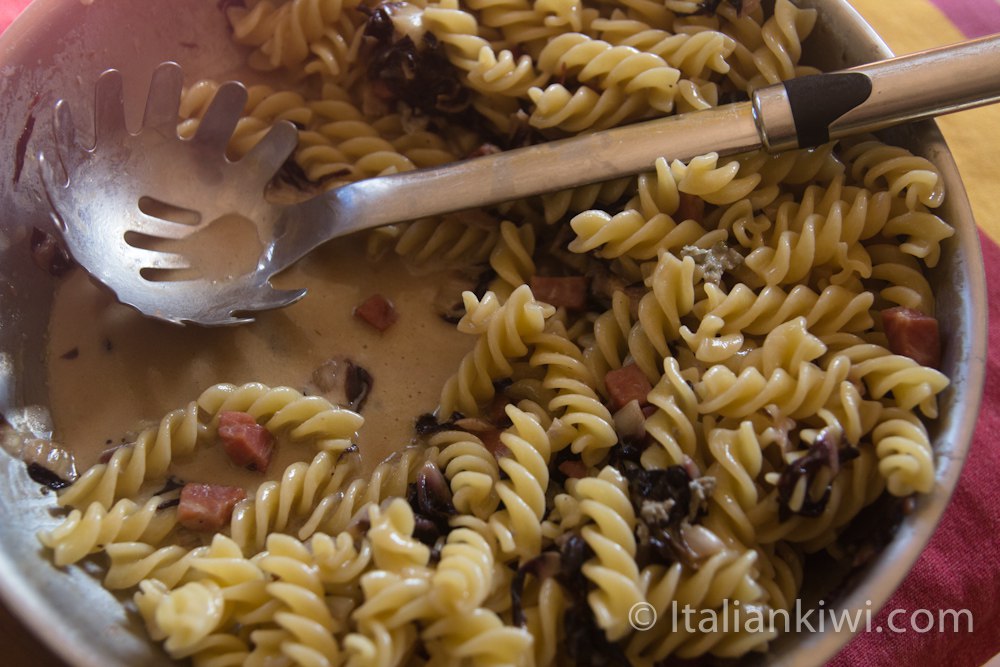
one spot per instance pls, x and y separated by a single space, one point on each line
111 369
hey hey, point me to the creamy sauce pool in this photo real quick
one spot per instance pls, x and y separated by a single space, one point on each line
111 370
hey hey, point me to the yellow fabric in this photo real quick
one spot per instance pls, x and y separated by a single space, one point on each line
973 136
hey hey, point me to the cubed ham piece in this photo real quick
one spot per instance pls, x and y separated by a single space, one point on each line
247 443
491 440
913 334
627 384
573 468
377 311
568 292
208 507
691 207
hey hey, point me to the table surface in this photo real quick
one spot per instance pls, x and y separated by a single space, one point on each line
907 26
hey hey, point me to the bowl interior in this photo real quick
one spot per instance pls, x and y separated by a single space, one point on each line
68 608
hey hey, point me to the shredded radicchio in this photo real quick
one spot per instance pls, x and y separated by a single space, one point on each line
546 564
825 452
359 384
664 500
419 75
344 382
586 643
46 477
430 498
427 424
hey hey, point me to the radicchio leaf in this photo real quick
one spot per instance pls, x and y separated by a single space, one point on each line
825 452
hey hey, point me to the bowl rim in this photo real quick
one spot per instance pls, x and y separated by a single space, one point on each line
878 583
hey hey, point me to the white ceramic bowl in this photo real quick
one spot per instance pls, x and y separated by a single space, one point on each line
58 48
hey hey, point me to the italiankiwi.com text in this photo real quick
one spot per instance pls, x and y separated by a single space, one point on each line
734 616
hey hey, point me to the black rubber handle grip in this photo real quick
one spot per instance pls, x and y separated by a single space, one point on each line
817 100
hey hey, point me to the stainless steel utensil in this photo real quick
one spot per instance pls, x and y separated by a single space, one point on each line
101 196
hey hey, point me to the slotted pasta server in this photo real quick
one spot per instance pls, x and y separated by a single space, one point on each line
100 195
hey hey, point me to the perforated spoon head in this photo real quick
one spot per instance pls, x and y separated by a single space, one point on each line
111 202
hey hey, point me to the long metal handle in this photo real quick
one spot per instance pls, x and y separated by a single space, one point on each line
802 112
501 177
814 109
548 167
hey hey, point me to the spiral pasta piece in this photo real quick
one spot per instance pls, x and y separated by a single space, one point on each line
738 460
613 571
630 234
463 578
924 231
517 526
184 617
697 55
471 470
803 237
726 318
477 638
910 384
673 426
335 512
374 645
902 282
133 562
276 504
906 458
726 575
576 403
704 177
511 258
556 106
283 35
780 47
670 297
458 31
282 408
333 56
264 107
557 205
85 532
148 458
905 175
628 69
502 332
196 617
447 241
786 377
308 620
503 74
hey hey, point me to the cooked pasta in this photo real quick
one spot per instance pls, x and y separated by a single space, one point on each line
518 525
85 532
677 385
613 570
502 332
